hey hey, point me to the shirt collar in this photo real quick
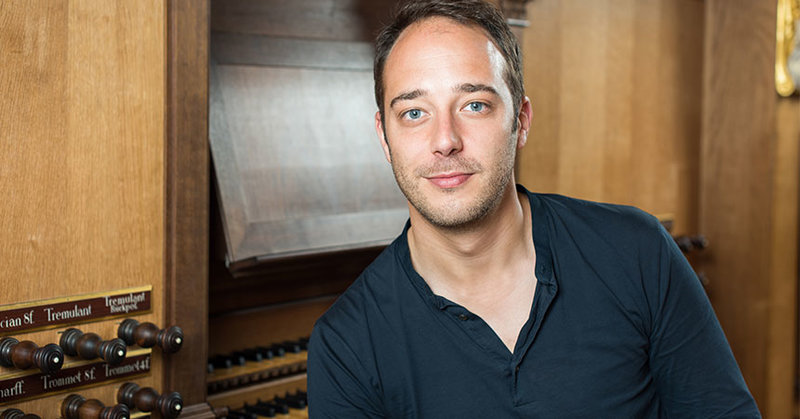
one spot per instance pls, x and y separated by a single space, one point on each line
541 242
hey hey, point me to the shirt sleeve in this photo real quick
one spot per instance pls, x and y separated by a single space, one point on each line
694 369
338 383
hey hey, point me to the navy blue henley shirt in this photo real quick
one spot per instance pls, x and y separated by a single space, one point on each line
620 327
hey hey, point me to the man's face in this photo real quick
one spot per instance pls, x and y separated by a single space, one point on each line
449 121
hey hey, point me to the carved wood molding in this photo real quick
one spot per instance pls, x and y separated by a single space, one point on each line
515 11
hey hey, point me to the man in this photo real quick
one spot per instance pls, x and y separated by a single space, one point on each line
496 302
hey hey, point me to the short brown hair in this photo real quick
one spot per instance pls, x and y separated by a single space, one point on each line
466 12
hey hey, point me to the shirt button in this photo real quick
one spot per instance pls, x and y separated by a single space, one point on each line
462 316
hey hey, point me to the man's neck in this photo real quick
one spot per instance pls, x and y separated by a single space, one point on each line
489 257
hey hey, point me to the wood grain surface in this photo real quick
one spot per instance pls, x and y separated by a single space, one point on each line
81 158
616 91
749 184
298 165
187 194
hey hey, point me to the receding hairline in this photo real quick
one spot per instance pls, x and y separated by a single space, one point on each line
408 95
442 18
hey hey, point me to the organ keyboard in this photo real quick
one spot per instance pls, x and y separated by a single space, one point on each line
261 381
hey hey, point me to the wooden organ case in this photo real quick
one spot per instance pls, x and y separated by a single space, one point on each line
303 198
93 255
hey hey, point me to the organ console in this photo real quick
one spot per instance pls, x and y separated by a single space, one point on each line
148 400
26 354
258 364
77 407
17 414
292 404
260 381
92 346
286 236
148 335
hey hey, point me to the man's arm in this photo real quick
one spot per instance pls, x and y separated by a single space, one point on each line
338 384
695 372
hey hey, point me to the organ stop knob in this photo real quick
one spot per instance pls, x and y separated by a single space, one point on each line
17 414
91 346
147 400
148 335
77 407
26 354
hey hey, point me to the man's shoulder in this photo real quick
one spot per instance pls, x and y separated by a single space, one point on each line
363 296
606 218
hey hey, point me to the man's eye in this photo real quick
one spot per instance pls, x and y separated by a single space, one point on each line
476 106
413 114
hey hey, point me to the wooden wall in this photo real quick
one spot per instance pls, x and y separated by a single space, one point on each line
82 159
670 106
749 196
616 91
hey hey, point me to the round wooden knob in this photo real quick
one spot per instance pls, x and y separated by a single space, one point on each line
26 354
77 407
148 400
148 335
91 346
17 414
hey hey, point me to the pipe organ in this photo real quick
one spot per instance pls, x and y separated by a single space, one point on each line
302 197
38 376
84 241
147 280
188 185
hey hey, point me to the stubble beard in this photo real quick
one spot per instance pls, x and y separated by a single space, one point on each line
454 214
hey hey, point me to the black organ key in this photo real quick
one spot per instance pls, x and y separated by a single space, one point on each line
221 361
294 402
261 410
235 414
277 350
238 359
279 408
292 347
303 343
248 355
266 353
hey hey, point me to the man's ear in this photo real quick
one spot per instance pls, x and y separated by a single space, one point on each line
382 136
524 121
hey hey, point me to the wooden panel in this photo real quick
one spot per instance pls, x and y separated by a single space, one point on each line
293 279
187 194
782 340
81 157
749 184
341 20
238 331
291 52
616 89
296 173
298 164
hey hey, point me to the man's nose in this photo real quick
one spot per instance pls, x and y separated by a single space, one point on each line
446 139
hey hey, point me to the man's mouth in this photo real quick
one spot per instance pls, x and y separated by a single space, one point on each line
449 180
